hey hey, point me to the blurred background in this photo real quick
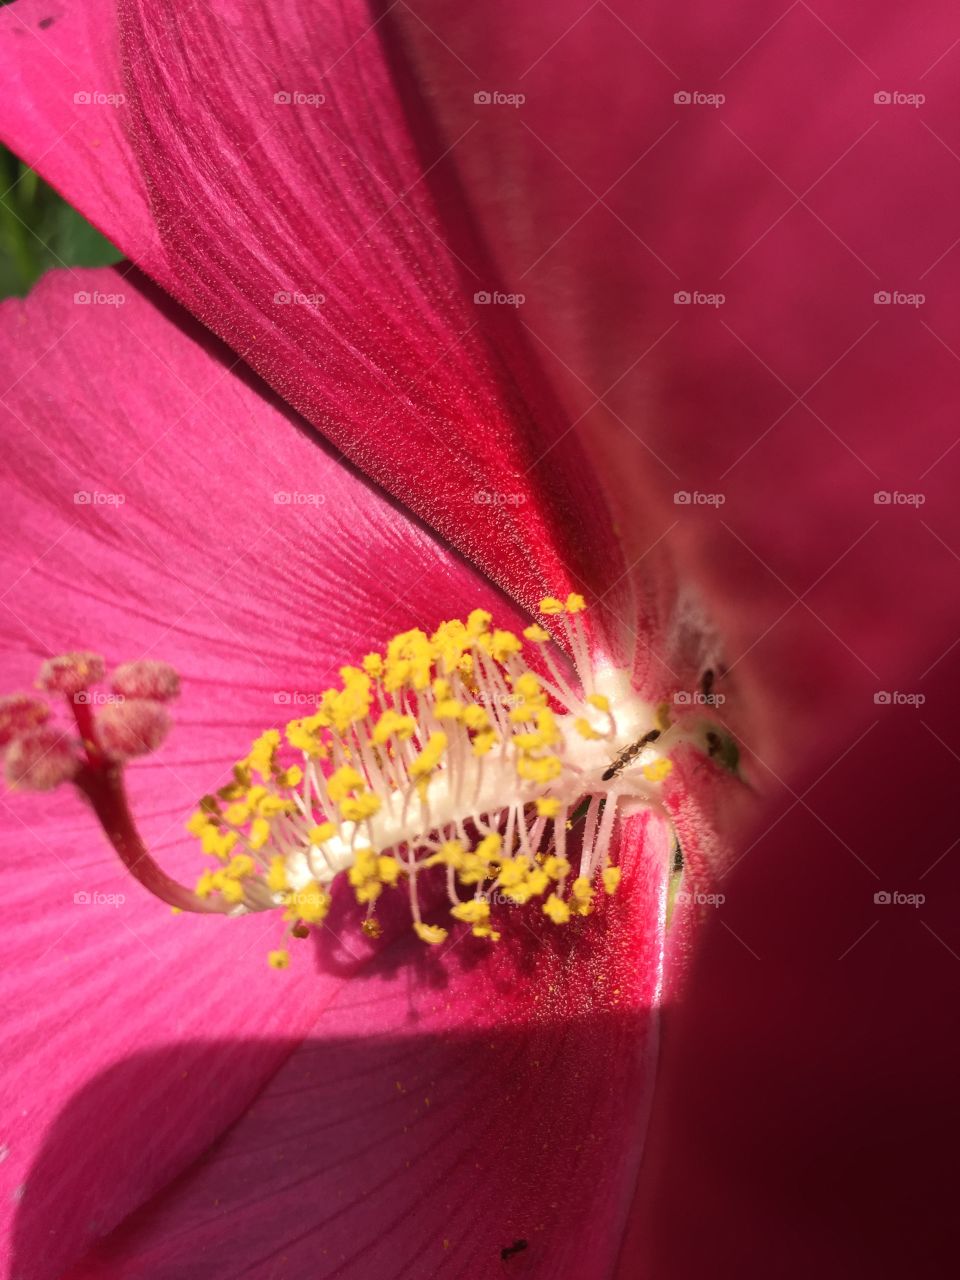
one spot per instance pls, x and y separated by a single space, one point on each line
38 230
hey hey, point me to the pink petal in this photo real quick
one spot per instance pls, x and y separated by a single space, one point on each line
307 235
139 520
481 1112
798 198
808 1119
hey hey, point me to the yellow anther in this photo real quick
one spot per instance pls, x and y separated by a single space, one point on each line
198 822
389 869
586 729
364 867
489 847
259 833
657 770
527 686
278 959
232 890
599 700
478 623
450 854
218 844
556 909
240 867
550 605
310 904
359 808
536 634
237 814
611 879
277 874
373 665
475 717
304 735
502 644
429 757
270 806
409 657
204 886
538 882
450 642
484 931
475 911
325 831
547 807
543 770
368 892
353 703
581 896
291 777
547 726
342 782
263 752
449 709
575 603
484 742
391 724
556 868
513 872
242 776
431 933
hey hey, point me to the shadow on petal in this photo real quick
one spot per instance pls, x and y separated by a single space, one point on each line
387 1155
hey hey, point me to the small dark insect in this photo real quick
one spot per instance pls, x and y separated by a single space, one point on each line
44 23
677 866
630 753
509 1250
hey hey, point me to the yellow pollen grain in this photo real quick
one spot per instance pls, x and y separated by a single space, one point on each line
611 879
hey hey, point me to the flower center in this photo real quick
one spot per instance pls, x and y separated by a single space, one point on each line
465 757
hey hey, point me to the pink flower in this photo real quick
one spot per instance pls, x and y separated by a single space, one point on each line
268 171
